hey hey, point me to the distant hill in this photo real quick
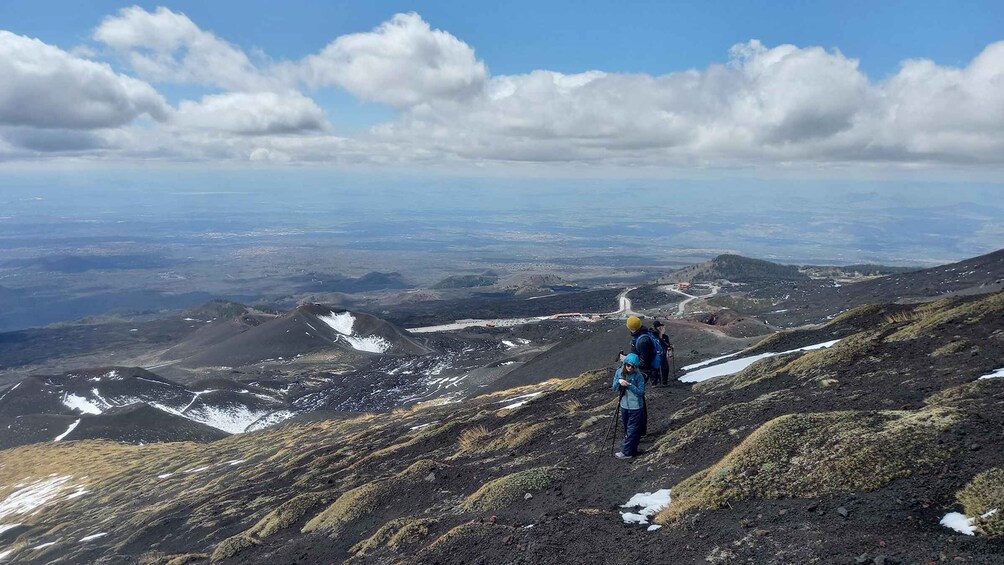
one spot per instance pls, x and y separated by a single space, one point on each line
815 301
310 328
736 268
130 404
321 282
466 281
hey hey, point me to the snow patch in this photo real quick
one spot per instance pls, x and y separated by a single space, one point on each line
996 374
960 523
68 430
654 527
649 503
164 475
30 498
231 419
93 536
736 365
341 323
371 344
44 545
5 527
4 554
84 405
11 389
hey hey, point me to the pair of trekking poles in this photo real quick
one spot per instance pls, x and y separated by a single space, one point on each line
613 426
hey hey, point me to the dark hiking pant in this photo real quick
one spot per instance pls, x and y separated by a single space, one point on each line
632 420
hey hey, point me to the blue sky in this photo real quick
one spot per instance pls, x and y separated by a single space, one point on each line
573 36
846 89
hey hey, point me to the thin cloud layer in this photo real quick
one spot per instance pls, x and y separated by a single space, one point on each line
763 106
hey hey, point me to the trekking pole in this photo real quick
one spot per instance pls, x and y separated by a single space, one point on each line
613 427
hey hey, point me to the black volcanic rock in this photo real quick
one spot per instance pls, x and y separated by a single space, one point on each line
142 423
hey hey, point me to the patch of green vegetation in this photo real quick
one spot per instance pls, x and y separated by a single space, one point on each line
950 348
727 419
232 546
160 558
810 455
983 499
951 311
223 309
499 493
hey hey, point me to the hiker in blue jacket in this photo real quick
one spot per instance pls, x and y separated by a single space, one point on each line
631 384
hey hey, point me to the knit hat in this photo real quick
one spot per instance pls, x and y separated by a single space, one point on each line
633 323
632 359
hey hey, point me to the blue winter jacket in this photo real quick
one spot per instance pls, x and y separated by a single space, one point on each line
632 399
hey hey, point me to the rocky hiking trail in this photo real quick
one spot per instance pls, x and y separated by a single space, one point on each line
847 454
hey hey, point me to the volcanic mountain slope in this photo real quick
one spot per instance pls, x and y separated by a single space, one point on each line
812 302
737 268
132 405
851 453
308 329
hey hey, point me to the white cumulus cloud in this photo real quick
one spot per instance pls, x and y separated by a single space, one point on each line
43 86
167 46
403 62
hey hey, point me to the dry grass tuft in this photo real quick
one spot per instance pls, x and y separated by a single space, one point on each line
809 455
499 493
571 406
232 546
472 439
983 498
287 514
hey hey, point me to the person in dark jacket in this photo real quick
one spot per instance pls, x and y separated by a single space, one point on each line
660 330
631 384
641 345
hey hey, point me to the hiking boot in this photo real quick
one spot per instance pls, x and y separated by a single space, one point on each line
620 455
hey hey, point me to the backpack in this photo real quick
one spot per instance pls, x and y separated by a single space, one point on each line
660 350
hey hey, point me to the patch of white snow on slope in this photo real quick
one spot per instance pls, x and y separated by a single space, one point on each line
68 430
649 503
231 419
737 365
997 374
4 554
371 344
5 527
28 499
74 402
11 389
341 323
709 361
93 536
